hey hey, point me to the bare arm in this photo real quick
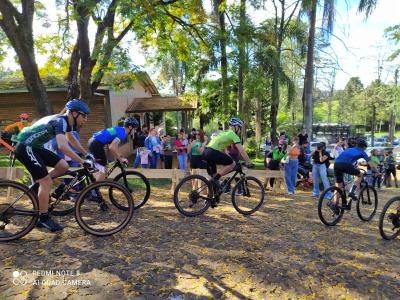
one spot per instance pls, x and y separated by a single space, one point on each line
243 153
114 149
74 142
373 167
62 143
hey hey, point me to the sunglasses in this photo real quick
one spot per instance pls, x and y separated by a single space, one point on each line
83 115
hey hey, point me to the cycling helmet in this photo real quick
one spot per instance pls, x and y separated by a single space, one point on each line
236 122
131 122
78 105
361 143
24 116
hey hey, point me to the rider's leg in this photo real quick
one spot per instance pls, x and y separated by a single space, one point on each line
101 176
356 185
59 169
225 170
45 184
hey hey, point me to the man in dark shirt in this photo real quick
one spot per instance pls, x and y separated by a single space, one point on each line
303 136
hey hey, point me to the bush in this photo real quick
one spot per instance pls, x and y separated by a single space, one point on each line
252 147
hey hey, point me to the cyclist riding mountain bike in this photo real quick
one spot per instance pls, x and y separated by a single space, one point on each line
35 157
214 152
111 137
344 164
18 126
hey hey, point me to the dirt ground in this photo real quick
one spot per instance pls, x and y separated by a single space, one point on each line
283 251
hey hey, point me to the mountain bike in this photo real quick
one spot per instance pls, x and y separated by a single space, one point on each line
389 220
194 194
136 183
366 203
19 207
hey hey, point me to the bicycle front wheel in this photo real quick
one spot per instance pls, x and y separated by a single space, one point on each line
137 184
248 195
19 210
389 220
96 213
331 206
192 195
367 203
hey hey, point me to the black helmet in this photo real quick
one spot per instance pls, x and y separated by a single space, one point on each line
131 122
361 143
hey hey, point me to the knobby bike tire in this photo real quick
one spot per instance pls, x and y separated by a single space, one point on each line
323 202
33 214
138 202
367 193
206 203
382 219
244 184
84 197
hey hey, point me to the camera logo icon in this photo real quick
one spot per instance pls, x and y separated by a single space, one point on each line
20 277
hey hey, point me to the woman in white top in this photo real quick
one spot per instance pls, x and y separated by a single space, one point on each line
338 149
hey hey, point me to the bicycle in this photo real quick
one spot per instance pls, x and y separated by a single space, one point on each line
136 183
19 207
390 213
367 203
200 194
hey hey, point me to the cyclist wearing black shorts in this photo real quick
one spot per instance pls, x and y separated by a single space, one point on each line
214 152
344 164
31 153
111 137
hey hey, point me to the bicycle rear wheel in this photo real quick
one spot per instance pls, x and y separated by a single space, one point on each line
19 210
367 203
248 195
137 184
96 213
389 220
329 213
192 195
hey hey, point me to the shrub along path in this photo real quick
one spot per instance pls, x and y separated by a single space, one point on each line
282 251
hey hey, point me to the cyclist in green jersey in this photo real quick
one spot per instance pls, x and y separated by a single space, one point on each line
214 153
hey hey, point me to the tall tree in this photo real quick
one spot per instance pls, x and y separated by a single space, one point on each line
17 24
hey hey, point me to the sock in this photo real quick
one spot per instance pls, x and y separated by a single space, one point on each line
44 217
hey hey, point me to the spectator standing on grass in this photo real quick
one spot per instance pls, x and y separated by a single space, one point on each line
144 154
181 145
303 136
390 169
138 142
167 146
292 165
196 148
378 164
268 148
339 148
274 159
153 144
320 157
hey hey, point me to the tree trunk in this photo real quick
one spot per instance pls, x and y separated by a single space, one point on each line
18 29
258 120
242 58
73 90
309 73
274 108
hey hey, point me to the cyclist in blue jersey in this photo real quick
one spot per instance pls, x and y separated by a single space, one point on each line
111 137
345 164
31 153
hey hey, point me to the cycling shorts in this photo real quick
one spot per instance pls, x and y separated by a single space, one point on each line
36 159
213 158
97 149
344 168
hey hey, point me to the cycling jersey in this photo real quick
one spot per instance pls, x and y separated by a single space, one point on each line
106 136
223 140
44 130
17 125
351 155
